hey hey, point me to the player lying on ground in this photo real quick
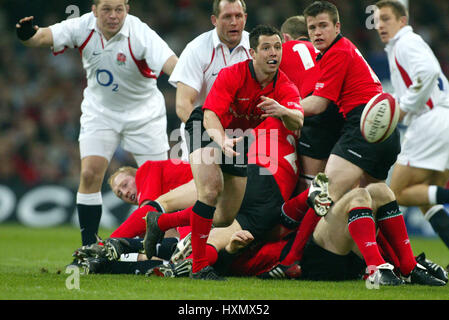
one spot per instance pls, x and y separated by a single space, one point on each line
272 174
171 186
263 259
348 233
343 245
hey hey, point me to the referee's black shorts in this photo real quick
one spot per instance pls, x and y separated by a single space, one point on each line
375 159
261 206
197 137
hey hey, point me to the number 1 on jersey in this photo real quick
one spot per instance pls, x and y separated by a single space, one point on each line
304 55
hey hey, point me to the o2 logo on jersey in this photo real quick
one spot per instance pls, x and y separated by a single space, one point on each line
105 78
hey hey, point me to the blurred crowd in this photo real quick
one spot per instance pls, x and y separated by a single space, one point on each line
40 94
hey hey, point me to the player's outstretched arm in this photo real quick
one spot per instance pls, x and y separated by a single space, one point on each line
314 105
33 36
292 119
216 131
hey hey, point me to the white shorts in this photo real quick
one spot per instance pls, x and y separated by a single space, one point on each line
100 135
426 141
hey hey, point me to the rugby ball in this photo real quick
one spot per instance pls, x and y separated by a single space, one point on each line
379 118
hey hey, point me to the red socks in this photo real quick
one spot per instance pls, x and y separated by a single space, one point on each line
391 222
175 219
135 225
201 222
211 254
296 208
362 228
386 250
303 234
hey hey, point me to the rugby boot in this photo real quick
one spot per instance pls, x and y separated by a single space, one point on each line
318 197
153 234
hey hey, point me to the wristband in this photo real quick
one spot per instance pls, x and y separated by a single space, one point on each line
26 30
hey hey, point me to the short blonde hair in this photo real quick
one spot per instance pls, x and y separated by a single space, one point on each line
97 2
296 27
131 171
398 8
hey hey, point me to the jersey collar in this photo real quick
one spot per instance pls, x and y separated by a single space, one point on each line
253 73
398 34
320 55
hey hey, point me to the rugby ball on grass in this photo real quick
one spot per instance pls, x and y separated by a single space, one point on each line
379 118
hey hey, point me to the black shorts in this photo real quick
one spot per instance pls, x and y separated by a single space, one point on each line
320 133
261 205
322 265
197 137
374 158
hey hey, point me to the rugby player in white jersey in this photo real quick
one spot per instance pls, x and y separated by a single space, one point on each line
122 57
206 55
422 168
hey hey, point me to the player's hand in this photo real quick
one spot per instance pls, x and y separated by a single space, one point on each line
25 28
239 240
271 108
228 146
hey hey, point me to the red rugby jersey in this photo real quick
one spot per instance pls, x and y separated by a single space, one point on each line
155 178
275 149
236 93
298 63
345 76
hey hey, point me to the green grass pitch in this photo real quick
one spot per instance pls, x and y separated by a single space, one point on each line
32 267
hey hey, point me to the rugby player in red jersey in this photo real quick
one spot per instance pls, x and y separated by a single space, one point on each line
298 55
347 80
333 254
298 63
165 185
272 177
242 96
153 187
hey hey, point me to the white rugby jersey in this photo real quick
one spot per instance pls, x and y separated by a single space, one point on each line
203 58
122 72
416 75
